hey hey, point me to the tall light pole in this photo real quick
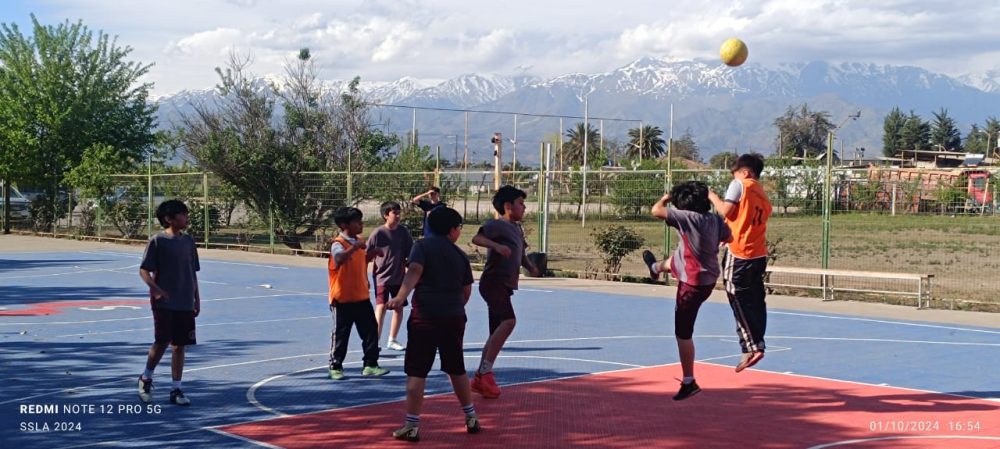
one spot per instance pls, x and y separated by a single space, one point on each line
989 150
456 146
828 190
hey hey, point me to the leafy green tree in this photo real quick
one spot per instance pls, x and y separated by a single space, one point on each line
649 139
65 90
686 147
916 133
268 160
803 132
892 136
944 134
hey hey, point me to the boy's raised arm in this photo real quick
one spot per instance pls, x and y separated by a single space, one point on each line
659 209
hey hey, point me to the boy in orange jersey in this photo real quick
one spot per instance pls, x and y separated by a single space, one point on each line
746 209
350 300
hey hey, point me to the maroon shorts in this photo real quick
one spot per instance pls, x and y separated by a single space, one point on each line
427 335
383 293
689 300
498 303
174 327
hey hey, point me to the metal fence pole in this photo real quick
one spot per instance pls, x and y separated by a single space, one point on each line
208 218
149 196
270 220
541 197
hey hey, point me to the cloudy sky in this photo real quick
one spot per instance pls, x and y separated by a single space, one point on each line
439 39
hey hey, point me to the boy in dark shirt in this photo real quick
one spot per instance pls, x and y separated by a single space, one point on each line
440 277
394 242
169 267
695 264
504 258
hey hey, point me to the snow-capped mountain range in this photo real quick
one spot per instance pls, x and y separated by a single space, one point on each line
725 108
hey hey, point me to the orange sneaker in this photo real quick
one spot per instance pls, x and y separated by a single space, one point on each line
486 385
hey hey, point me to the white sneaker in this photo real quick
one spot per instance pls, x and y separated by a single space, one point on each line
395 346
145 390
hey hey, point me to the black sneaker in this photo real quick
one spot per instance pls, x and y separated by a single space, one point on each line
649 259
687 390
472 424
177 397
145 390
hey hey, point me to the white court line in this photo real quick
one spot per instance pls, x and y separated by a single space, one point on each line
866 384
241 438
871 320
137 256
252 391
228 323
70 273
904 437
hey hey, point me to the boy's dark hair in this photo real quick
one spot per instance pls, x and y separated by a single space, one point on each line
388 206
436 189
169 208
345 215
753 161
442 220
692 196
507 194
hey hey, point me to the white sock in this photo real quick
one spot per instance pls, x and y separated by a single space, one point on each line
687 380
147 374
485 366
655 266
177 385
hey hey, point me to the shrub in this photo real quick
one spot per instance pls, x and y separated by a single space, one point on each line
615 242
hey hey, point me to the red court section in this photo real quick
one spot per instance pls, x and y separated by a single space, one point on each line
633 408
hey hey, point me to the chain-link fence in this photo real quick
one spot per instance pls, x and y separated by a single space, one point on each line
921 221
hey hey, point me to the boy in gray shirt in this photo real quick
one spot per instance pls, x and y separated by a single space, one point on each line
169 268
695 264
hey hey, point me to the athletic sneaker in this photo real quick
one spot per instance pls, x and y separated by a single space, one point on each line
395 346
649 259
177 397
337 373
749 359
374 371
408 433
687 390
146 390
486 385
472 424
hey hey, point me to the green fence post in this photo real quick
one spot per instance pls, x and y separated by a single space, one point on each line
100 219
270 220
666 229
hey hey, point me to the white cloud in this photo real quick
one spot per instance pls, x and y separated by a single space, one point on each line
384 40
217 41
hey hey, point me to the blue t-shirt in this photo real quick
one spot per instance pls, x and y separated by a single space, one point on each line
427 207
441 289
173 261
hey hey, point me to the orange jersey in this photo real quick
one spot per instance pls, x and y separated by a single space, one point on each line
349 281
749 228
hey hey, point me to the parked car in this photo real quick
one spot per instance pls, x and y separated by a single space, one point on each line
20 207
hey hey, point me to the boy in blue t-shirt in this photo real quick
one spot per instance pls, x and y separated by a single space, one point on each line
695 264
440 278
168 268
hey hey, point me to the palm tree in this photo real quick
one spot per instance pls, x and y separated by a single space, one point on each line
651 143
573 148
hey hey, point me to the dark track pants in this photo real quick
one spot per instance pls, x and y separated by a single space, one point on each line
345 316
744 282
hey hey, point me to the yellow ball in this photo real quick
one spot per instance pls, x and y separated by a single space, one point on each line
733 52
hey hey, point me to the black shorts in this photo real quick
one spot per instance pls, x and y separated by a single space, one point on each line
383 293
174 327
498 303
689 300
427 335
